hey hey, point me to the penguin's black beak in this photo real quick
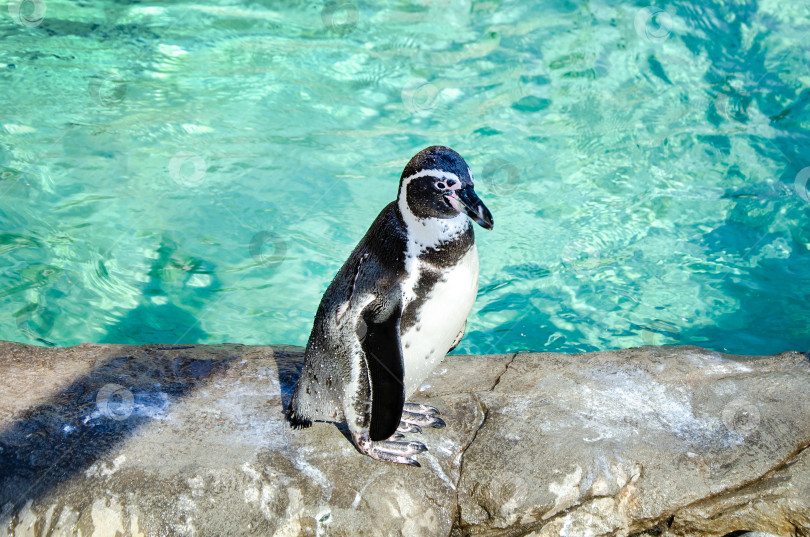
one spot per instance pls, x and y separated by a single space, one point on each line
474 207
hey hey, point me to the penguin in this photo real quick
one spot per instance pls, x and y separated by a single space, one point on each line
395 308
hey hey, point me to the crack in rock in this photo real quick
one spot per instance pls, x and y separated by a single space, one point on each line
505 369
460 458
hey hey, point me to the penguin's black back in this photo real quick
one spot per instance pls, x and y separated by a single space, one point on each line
376 266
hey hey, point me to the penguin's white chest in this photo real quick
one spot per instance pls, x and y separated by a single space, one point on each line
440 317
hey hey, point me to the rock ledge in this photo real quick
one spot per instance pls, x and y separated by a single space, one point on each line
117 440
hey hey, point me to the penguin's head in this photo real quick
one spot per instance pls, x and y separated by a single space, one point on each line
437 183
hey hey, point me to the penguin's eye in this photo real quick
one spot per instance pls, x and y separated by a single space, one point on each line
440 186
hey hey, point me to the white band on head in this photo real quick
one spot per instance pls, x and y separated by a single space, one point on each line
402 199
441 174
429 232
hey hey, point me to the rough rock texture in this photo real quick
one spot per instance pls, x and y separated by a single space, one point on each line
113 440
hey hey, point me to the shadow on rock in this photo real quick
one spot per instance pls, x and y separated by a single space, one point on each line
47 443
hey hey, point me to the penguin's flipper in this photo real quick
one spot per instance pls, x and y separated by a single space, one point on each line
458 337
386 370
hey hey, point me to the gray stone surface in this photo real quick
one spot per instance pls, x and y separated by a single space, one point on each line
114 440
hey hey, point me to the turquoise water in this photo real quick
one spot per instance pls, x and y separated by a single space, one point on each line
184 173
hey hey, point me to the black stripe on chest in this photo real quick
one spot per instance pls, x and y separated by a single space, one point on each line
424 285
435 261
448 253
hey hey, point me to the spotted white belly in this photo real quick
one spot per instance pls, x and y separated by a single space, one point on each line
440 319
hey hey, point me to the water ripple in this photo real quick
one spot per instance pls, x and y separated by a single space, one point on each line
191 173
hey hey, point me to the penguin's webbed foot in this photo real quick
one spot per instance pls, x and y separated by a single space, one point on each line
389 450
415 416
405 427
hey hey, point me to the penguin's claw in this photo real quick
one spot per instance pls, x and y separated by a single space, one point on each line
419 408
421 419
396 448
405 427
389 450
